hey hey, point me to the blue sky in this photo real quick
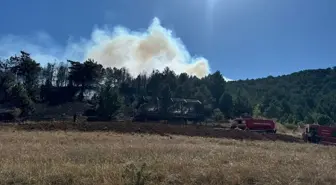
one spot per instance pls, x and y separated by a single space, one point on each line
241 38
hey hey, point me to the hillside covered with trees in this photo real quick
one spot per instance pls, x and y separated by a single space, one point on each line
303 97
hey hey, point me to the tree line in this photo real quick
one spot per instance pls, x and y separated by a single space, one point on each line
304 97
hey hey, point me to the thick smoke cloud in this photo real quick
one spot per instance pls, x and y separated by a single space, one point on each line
140 52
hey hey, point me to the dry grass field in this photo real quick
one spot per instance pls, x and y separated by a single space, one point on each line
96 158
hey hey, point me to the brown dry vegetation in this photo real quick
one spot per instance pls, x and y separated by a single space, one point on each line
108 158
158 128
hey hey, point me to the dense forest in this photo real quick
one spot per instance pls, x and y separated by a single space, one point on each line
303 97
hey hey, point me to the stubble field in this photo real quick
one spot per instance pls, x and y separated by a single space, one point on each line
58 157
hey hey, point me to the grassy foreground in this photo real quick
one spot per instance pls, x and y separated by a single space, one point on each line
108 158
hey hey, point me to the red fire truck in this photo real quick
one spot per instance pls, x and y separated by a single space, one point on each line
253 124
315 133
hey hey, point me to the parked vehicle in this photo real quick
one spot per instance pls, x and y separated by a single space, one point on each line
315 133
253 124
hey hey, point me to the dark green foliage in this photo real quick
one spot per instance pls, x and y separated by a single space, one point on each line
85 75
216 84
322 119
241 105
256 111
27 71
109 102
18 97
13 94
217 115
226 104
203 94
307 96
165 95
303 97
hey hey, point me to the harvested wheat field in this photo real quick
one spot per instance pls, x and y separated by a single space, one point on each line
95 158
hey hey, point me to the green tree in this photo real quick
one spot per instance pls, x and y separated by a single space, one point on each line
86 75
154 83
27 71
14 94
62 75
165 94
48 74
322 119
226 104
256 111
241 106
216 85
204 95
273 110
217 115
309 119
110 102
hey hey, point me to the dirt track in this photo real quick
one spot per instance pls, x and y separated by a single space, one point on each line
161 129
